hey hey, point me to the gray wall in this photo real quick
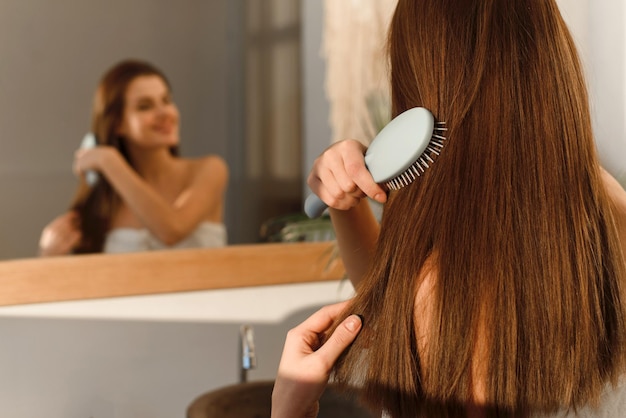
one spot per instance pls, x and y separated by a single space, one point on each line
605 59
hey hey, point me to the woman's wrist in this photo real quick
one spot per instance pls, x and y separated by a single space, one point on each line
109 161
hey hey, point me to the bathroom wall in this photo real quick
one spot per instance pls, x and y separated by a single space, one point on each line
600 32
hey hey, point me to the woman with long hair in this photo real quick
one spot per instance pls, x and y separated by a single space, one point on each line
146 196
495 283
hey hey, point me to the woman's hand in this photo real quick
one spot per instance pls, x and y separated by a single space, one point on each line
96 159
340 178
305 366
61 235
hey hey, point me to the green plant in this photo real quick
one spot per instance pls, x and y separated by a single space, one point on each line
297 228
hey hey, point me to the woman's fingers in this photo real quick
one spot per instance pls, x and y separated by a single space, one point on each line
337 343
358 174
321 320
341 179
305 366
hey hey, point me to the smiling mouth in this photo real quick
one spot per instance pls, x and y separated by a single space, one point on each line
166 129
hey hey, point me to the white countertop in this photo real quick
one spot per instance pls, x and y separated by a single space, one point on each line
261 304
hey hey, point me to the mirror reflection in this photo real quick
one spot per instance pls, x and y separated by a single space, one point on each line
136 193
234 71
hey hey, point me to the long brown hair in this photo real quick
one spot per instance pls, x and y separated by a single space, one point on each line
513 214
96 205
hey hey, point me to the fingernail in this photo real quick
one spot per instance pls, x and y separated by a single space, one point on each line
380 197
353 322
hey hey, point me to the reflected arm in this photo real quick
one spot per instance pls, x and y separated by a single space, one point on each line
170 223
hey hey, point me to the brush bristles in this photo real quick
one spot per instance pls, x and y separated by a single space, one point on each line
419 167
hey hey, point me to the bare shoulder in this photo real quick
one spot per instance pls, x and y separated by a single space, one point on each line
617 196
207 167
616 192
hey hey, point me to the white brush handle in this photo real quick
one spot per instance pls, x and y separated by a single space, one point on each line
89 141
314 206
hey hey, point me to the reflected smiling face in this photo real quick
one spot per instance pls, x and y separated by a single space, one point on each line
151 118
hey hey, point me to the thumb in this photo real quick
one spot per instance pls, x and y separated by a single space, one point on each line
343 336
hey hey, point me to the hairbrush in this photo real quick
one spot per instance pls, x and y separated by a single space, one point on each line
90 141
400 153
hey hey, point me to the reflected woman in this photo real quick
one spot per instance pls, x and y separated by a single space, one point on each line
146 196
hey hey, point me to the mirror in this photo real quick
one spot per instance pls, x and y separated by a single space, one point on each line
235 74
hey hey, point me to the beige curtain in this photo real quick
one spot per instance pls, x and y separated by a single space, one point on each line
354 46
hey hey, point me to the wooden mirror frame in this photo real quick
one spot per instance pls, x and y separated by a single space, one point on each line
25 281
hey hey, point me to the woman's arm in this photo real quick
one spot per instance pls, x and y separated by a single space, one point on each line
340 178
170 223
60 236
357 231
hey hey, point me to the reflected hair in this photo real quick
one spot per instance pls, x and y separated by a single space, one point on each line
513 217
96 205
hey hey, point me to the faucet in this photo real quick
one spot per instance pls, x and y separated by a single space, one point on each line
247 353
